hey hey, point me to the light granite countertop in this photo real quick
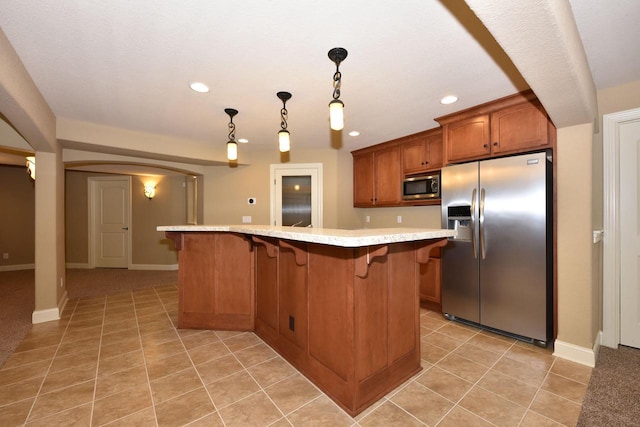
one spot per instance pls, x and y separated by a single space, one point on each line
327 236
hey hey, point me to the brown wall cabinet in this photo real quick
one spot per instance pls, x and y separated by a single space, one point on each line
422 152
513 124
377 177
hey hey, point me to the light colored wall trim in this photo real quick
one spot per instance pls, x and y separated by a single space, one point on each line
164 267
78 265
17 267
41 316
611 215
574 353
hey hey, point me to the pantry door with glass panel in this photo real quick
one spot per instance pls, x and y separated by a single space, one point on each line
296 195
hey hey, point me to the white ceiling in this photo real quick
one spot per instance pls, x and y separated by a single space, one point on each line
128 64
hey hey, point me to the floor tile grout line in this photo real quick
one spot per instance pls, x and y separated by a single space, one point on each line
144 358
95 382
253 378
193 365
49 367
465 394
537 393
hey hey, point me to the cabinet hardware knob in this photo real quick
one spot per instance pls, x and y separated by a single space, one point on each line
485 145
495 144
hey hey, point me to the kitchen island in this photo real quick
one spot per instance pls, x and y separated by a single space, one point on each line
342 306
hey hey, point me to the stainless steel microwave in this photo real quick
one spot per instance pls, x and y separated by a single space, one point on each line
421 187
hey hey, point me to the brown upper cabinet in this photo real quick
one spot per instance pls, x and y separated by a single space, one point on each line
513 124
422 152
377 176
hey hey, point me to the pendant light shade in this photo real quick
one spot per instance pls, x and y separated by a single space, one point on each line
232 146
336 114
232 150
284 142
336 107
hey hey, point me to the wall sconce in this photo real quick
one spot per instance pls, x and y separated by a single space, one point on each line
31 167
284 143
150 190
232 146
336 115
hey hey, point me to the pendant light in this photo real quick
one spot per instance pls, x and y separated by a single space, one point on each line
336 115
284 143
232 145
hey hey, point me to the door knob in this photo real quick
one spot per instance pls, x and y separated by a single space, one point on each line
125 228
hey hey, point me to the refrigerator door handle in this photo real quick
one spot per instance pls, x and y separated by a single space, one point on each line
473 223
483 248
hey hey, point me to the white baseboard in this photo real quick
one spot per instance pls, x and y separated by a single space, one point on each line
168 267
63 302
583 355
41 316
17 267
78 265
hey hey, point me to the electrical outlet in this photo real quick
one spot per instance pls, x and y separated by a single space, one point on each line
5 255
399 219
367 218
246 219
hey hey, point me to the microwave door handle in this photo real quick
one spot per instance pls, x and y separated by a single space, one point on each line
473 223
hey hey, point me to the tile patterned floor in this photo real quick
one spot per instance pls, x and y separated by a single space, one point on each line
119 361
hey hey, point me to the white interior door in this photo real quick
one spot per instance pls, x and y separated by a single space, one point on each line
110 219
630 234
296 195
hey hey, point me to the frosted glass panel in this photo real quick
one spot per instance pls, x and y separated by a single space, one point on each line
296 201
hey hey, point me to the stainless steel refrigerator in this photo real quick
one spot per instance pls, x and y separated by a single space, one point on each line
498 272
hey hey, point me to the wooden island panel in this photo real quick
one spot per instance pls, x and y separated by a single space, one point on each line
216 286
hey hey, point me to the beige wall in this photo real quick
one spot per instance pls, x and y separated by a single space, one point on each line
17 217
226 189
76 217
149 247
576 306
26 110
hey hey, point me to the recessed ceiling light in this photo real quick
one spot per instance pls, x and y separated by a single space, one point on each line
199 87
354 133
449 99
243 140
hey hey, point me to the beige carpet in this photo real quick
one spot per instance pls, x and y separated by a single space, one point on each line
613 395
17 302
17 295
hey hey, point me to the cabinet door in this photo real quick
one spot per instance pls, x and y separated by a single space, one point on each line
433 145
387 176
468 139
363 180
414 156
430 284
422 154
519 128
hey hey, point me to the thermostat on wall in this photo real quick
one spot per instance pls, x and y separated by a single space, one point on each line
251 200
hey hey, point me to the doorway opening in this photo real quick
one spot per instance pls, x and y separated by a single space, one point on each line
296 195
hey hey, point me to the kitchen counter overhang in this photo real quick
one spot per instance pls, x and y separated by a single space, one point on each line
342 306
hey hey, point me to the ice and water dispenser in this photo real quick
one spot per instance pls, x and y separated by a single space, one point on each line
459 218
